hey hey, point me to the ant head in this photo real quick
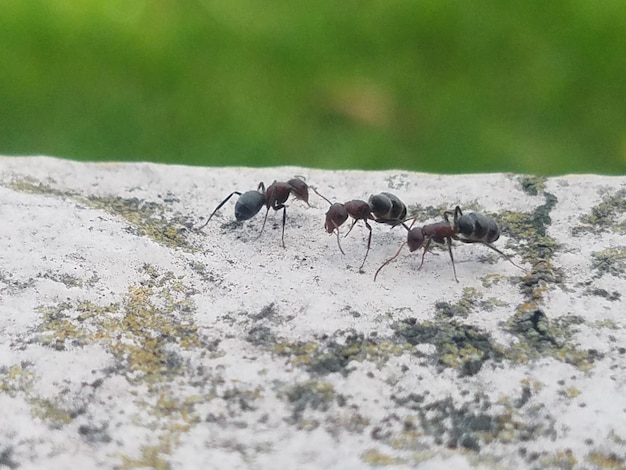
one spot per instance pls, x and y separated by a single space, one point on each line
299 189
415 238
336 215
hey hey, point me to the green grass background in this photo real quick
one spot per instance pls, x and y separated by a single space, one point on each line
441 86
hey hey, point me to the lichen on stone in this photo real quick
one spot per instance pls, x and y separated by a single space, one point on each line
607 215
147 334
154 220
611 261
460 346
471 301
532 185
471 424
310 395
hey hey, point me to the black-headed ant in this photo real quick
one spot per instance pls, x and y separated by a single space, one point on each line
385 208
274 197
468 228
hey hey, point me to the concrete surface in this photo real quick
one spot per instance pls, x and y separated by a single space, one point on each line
129 339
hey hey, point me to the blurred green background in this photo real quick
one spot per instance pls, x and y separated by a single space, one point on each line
441 86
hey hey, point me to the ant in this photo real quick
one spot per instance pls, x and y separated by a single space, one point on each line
468 228
250 203
385 208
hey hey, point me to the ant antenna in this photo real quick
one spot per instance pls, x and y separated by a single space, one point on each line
323 197
389 260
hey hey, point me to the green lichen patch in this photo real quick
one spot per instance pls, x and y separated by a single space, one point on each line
606 461
52 412
95 434
610 261
329 354
13 286
32 186
532 185
471 301
147 333
563 460
604 216
599 292
534 328
462 347
15 379
322 354
312 394
490 280
67 280
543 276
472 424
150 219
6 458
151 457
377 458
528 231
240 399
538 336
58 328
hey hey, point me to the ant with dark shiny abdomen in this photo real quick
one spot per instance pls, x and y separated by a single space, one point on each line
249 203
385 208
468 228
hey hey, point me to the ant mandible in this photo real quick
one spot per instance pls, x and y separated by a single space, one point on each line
468 228
250 203
383 208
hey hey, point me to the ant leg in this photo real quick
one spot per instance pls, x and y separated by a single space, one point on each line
426 246
456 214
505 256
219 207
369 242
354 221
284 220
389 260
263 226
338 243
403 223
449 243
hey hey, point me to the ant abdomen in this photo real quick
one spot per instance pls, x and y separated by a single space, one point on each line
476 227
387 208
249 204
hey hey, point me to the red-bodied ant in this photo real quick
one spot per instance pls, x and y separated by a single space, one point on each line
468 228
385 208
274 197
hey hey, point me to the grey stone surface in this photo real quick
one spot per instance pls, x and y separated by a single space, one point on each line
130 339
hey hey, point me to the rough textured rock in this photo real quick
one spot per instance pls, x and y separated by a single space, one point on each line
130 339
